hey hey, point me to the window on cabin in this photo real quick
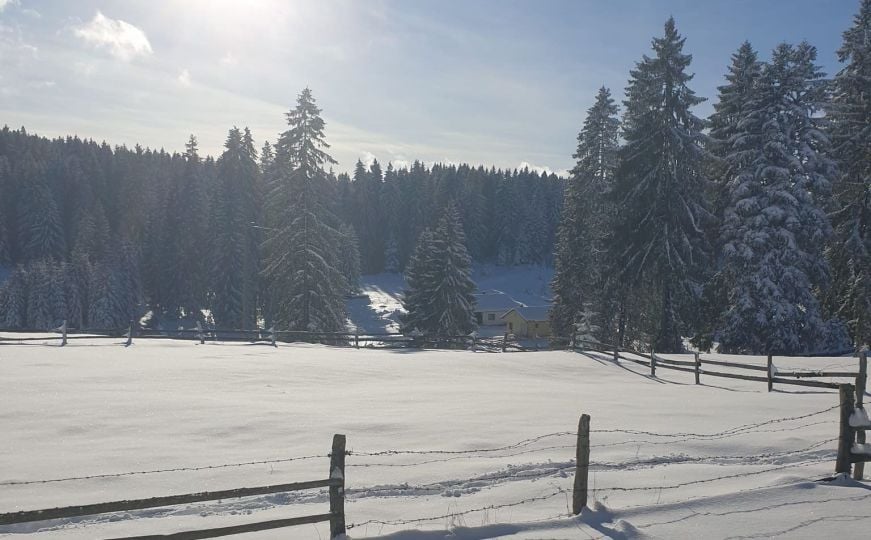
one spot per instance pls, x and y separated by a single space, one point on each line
491 316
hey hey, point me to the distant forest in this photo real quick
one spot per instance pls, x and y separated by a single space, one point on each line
97 235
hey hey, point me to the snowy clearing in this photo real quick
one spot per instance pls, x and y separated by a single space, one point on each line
722 460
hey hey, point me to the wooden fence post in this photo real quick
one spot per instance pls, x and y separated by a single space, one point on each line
63 329
129 335
272 335
770 374
504 341
845 440
698 367
861 381
652 362
356 340
337 493
582 465
200 333
616 353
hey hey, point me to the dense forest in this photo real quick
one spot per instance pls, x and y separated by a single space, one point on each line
99 235
750 229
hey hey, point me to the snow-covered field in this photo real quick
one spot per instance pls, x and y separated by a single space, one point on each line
747 470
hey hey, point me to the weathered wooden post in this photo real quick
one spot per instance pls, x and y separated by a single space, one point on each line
129 335
356 339
845 440
652 362
861 381
201 334
770 374
504 341
616 353
272 336
63 330
698 367
582 465
337 492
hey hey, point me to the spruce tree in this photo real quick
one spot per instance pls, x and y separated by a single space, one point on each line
774 226
349 258
585 217
235 272
439 296
850 131
659 190
303 240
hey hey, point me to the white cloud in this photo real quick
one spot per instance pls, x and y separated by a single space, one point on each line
123 40
6 3
184 78
229 59
368 158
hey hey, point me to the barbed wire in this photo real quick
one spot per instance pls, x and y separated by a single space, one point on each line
524 442
156 471
395 522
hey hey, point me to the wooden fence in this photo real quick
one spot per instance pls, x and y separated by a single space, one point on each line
336 516
699 366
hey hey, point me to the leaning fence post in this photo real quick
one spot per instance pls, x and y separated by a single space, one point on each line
652 362
859 468
770 374
582 465
337 492
129 335
63 330
845 440
698 367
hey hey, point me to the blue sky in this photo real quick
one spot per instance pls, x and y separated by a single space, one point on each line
488 82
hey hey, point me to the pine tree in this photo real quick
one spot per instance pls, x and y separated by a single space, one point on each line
39 219
585 217
235 269
659 189
349 254
391 253
774 226
303 242
13 300
439 298
850 130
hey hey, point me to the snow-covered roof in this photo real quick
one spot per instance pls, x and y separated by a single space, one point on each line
532 313
494 301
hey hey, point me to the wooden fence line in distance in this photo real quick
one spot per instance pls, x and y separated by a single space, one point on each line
335 482
772 376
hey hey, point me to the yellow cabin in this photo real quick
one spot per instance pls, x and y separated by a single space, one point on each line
528 322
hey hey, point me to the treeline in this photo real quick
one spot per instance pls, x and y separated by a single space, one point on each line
751 230
98 236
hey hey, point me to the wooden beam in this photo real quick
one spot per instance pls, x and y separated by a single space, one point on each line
156 502
582 465
234 529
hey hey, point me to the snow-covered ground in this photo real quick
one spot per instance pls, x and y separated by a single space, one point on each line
721 460
380 312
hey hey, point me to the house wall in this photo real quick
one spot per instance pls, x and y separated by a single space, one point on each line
496 319
517 325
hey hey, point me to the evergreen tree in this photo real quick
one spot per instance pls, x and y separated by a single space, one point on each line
349 254
439 299
235 268
659 189
774 226
850 129
303 242
39 220
579 272
391 253
13 300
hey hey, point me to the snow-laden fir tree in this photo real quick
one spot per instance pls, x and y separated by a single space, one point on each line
774 226
302 242
46 307
116 288
349 258
391 253
585 216
850 131
235 212
416 295
440 295
39 220
659 190
13 300
734 100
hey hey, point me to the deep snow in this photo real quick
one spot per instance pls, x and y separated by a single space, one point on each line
96 408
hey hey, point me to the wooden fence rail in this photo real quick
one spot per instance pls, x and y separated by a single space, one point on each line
335 482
